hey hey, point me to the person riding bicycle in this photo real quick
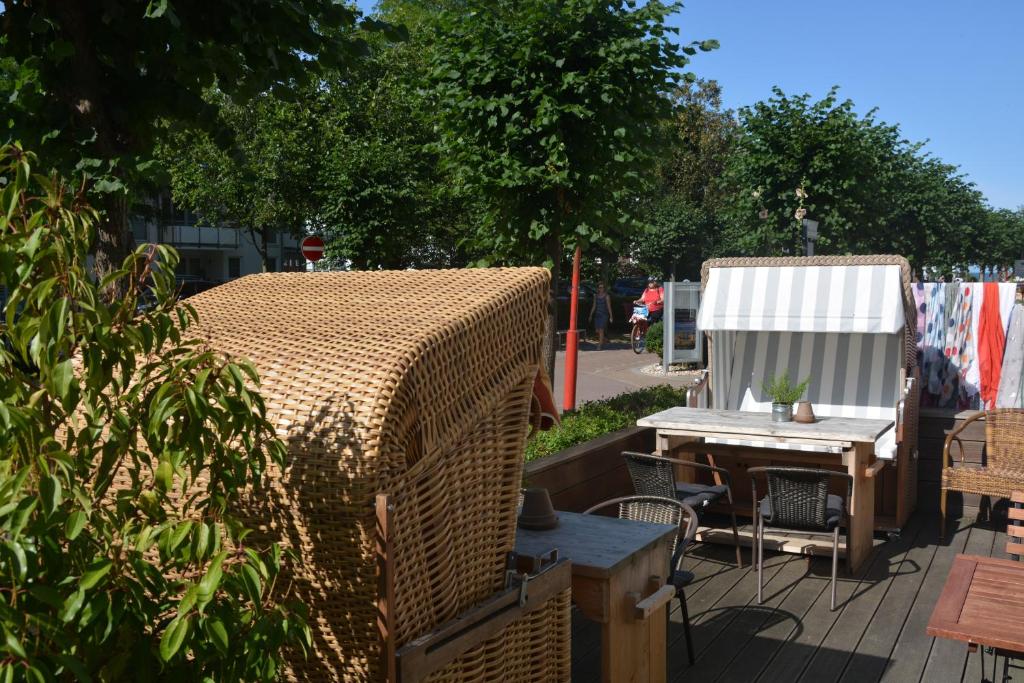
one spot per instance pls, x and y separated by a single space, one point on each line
654 298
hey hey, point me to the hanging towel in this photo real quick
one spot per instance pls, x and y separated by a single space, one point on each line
959 349
934 338
1007 298
991 344
970 374
922 307
1011 383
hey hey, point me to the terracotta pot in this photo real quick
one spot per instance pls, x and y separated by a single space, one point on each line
537 512
804 413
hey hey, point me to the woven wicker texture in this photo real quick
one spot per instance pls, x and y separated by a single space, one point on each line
1003 471
798 497
415 384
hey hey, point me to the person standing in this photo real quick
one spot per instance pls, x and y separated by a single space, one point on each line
654 298
601 313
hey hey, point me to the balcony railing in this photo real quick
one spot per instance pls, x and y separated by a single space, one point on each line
199 237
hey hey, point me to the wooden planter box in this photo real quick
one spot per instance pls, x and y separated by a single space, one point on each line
588 473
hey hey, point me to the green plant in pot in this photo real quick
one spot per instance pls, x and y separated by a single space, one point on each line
784 394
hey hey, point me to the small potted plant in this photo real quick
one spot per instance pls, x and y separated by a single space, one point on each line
784 394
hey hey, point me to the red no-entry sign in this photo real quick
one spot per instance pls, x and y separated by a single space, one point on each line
312 248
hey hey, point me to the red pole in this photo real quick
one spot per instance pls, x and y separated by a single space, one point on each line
571 338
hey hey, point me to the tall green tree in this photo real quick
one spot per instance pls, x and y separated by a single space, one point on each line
94 87
264 178
682 210
550 111
869 188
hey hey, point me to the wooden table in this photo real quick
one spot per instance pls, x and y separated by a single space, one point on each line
855 437
619 577
982 604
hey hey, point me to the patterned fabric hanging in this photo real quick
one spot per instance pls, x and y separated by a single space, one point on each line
921 305
1011 383
933 362
959 349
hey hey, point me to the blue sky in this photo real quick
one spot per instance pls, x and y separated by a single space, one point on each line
951 72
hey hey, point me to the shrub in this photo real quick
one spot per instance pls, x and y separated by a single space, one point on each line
597 418
655 340
124 442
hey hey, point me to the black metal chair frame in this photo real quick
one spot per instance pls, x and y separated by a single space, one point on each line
812 526
671 484
679 547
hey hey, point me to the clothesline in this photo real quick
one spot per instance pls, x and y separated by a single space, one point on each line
964 341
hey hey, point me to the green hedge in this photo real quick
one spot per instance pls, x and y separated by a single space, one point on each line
597 418
655 339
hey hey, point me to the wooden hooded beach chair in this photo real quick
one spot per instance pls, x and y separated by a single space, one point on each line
405 428
849 324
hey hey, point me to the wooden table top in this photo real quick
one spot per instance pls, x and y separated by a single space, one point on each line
596 545
749 424
982 603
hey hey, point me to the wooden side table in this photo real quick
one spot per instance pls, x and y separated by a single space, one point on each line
619 576
982 603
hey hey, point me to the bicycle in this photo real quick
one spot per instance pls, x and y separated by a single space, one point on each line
638 335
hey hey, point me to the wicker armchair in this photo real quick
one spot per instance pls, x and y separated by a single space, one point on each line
662 510
654 475
798 499
1003 471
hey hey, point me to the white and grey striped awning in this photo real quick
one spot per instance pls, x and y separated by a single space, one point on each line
866 299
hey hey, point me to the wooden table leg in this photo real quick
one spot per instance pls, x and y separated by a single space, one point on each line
666 448
634 649
862 505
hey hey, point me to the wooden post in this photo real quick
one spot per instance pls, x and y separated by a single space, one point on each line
862 506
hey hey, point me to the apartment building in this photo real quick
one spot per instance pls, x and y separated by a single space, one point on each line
212 253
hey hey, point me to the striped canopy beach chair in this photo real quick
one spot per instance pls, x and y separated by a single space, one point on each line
846 323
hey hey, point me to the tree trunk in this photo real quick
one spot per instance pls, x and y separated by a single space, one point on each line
113 240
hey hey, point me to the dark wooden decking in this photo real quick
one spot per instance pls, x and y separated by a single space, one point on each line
877 632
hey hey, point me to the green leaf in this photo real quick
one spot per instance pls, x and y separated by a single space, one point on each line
14 646
72 604
217 633
174 636
165 475
50 493
74 524
96 571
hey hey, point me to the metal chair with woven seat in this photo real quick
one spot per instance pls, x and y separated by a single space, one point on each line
1003 471
654 475
798 500
663 510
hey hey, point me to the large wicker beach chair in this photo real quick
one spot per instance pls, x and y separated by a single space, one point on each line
848 323
414 384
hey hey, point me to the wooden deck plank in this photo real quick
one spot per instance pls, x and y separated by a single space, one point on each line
839 647
792 658
783 625
876 644
877 634
732 627
912 646
948 659
718 594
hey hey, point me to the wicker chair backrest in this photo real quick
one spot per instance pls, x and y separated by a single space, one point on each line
651 476
658 510
798 497
1004 438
